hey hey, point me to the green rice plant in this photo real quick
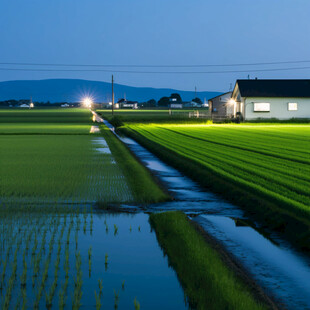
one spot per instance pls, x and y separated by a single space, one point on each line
89 260
123 285
9 289
23 278
49 297
116 299
77 290
24 297
35 246
139 228
98 301
100 287
115 229
17 305
78 282
62 295
106 261
48 301
130 228
4 269
76 239
66 263
61 302
91 221
136 304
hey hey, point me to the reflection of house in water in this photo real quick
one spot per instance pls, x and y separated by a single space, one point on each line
221 106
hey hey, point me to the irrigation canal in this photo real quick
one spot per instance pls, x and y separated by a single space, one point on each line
281 271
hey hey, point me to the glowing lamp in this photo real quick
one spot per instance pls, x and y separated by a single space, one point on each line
87 102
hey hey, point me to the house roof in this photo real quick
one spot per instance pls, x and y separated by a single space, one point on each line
274 88
229 92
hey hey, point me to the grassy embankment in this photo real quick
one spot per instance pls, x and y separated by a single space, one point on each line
142 184
264 169
207 281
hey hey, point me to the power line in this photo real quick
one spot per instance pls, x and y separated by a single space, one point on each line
154 66
153 72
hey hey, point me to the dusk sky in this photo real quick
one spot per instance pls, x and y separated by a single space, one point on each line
155 32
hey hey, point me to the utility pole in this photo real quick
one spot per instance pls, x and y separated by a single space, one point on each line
195 92
112 95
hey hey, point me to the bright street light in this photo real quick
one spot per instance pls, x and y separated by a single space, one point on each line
87 102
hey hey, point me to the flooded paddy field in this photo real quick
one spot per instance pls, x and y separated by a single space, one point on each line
67 257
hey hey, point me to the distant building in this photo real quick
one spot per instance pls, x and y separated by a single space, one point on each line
176 106
126 104
24 105
192 104
281 99
65 105
221 106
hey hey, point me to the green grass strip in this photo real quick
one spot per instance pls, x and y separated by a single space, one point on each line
207 281
141 182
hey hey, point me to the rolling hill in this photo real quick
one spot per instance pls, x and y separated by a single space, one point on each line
73 90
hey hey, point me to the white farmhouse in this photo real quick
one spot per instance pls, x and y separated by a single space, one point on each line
281 99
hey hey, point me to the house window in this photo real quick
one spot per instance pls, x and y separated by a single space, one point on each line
261 107
292 106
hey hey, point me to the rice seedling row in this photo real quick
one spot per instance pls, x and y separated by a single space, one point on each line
262 167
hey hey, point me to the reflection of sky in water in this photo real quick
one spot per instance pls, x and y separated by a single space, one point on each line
134 257
278 269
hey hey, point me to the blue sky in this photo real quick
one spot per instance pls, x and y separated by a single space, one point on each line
155 32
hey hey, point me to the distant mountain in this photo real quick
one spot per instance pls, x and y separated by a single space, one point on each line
72 90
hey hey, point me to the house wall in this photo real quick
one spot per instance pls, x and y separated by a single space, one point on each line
278 108
221 106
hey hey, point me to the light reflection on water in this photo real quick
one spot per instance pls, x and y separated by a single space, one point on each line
276 268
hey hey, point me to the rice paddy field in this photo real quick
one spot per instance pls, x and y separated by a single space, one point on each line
59 249
74 233
58 161
268 162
